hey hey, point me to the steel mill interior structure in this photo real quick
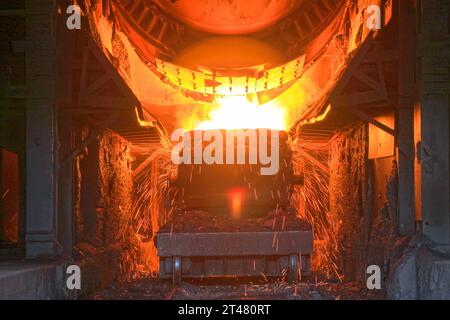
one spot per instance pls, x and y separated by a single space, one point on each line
92 92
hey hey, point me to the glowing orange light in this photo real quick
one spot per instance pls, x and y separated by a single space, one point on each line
143 123
237 112
320 117
236 198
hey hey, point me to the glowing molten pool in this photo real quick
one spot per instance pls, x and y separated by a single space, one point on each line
237 112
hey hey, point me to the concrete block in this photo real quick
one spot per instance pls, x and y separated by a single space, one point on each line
433 276
420 274
30 282
401 283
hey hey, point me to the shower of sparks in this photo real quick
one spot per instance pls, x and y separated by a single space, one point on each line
311 202
153 205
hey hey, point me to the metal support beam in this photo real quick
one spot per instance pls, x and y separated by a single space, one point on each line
40 231
435 168
65 174
435 107
405 117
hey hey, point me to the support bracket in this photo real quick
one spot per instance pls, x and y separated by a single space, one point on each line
366 118
109 121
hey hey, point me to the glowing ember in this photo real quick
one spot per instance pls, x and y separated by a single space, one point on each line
236 197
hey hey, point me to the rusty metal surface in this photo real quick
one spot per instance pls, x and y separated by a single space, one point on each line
234 243
381 143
